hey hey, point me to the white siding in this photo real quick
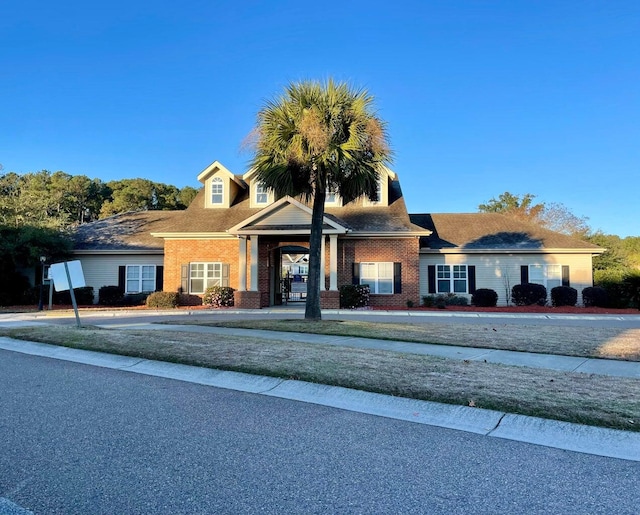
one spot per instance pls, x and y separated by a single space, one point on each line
102 271
500 272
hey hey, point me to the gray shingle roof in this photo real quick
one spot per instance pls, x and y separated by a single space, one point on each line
125 231
355 216
491 231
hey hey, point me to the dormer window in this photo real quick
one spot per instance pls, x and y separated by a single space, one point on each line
262 195
332 199
217 191
379 194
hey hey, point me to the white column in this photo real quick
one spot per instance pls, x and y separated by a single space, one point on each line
242 263
333 262
322 274
254 263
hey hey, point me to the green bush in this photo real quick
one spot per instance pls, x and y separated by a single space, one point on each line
134 299
354 296
84 296
632 288
594 296
484 298
619 285
444 299
163 300
218 297
428 301
528 294
110 296
564 296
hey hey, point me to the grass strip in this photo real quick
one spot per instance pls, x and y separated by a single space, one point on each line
604 343
582 398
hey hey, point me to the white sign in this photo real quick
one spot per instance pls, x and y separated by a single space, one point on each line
58 273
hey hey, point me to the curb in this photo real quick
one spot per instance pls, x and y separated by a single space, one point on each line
597 441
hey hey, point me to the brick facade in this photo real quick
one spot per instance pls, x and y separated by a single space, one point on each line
402 250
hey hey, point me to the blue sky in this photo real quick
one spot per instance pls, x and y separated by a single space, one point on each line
480 97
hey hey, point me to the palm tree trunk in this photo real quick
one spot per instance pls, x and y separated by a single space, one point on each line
312 306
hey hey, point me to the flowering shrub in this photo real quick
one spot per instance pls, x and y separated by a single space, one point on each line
218 297
354 296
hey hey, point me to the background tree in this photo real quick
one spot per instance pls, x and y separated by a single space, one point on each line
553 216
318 137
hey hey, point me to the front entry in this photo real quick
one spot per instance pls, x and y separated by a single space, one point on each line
288 281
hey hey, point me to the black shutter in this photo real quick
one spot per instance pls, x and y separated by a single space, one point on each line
122 278
524 274
431 277
356 274
159 277
225 274
397 278
471 273
184 278
565 275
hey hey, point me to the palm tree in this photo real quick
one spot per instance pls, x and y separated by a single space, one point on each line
319 137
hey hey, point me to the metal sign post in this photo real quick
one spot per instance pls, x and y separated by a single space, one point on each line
73 295
63 276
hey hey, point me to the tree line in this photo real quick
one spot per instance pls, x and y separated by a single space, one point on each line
59 200
618 265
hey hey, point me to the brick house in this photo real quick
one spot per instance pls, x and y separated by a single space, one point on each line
235 233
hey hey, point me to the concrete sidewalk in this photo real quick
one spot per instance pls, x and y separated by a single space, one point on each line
562 435
525 359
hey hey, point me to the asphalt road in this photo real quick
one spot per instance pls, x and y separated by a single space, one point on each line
82 439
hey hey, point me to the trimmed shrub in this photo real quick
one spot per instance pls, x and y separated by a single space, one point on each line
163 300
428 301
354 296
110 296
564 296
134 299
594 296
484 298
443 300
528 294
218 297
84 296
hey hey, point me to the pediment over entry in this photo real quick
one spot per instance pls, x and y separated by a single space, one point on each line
286 216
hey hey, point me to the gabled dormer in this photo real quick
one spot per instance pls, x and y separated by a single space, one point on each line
220 185
384 180
259 196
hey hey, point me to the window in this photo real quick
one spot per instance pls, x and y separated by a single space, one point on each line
217 190
140 278
262 195
332 198
379 277
451 278
204 275
378 201
549 276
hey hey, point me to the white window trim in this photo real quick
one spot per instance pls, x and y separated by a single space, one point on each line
139 279
375 287
259 186
545 274
217 181
451 279
204 278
